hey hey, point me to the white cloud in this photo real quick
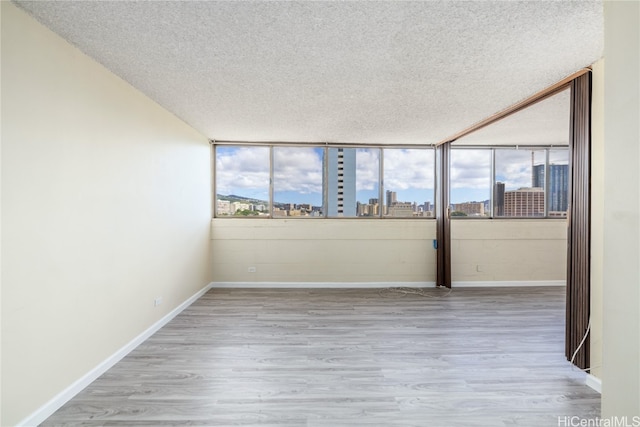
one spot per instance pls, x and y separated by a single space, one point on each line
470 169
406 169
245 170
242 171
297 169
367 169
513 167
559 157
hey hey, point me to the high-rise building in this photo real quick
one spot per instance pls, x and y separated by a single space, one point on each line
370 209
341 182
470 208
238 206
392 197
400 209
498 199
223 207
558 185
524 202
365 209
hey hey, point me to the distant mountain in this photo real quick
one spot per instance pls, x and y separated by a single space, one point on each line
236 198
249 200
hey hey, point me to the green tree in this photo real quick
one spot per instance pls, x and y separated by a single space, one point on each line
245 212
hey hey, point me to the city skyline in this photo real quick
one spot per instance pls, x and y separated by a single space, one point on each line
242 170
298 173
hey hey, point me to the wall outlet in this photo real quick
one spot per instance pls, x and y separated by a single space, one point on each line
252 269
157 301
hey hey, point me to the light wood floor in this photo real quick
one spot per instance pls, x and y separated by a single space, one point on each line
342 357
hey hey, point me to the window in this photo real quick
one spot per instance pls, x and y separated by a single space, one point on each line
241 181
520 182
470 182
331 181
558 183
409 176
353 182
341 182
368 182
297 181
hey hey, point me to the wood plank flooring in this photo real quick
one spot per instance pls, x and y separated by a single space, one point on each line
343 357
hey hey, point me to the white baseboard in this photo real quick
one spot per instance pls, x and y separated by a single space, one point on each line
303 285
485 284
508 283
46 410
594 382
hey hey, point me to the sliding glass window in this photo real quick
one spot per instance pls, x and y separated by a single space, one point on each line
323 181
558 183
297 181
353 182
409 176
509 182
470 182
241 181
519 183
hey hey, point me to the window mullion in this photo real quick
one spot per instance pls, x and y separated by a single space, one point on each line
325 183
493 184
381 200
271 201
546 183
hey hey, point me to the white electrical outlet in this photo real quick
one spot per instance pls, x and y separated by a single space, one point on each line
252 269
157 301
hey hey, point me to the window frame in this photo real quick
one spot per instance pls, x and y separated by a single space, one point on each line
383 188
381 178
272 189
493 149
491 180
325 146
214 181
326 187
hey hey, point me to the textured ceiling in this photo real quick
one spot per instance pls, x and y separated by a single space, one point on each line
546 122
370 72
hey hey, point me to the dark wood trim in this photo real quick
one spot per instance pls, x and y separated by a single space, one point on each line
540 96
443 226
579 223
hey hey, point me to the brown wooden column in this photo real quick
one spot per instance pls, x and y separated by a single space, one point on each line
579 222
443 231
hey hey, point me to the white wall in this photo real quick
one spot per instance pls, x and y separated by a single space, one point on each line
319 250
1 218
105 205
388 251
621 269
523 250
597 217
